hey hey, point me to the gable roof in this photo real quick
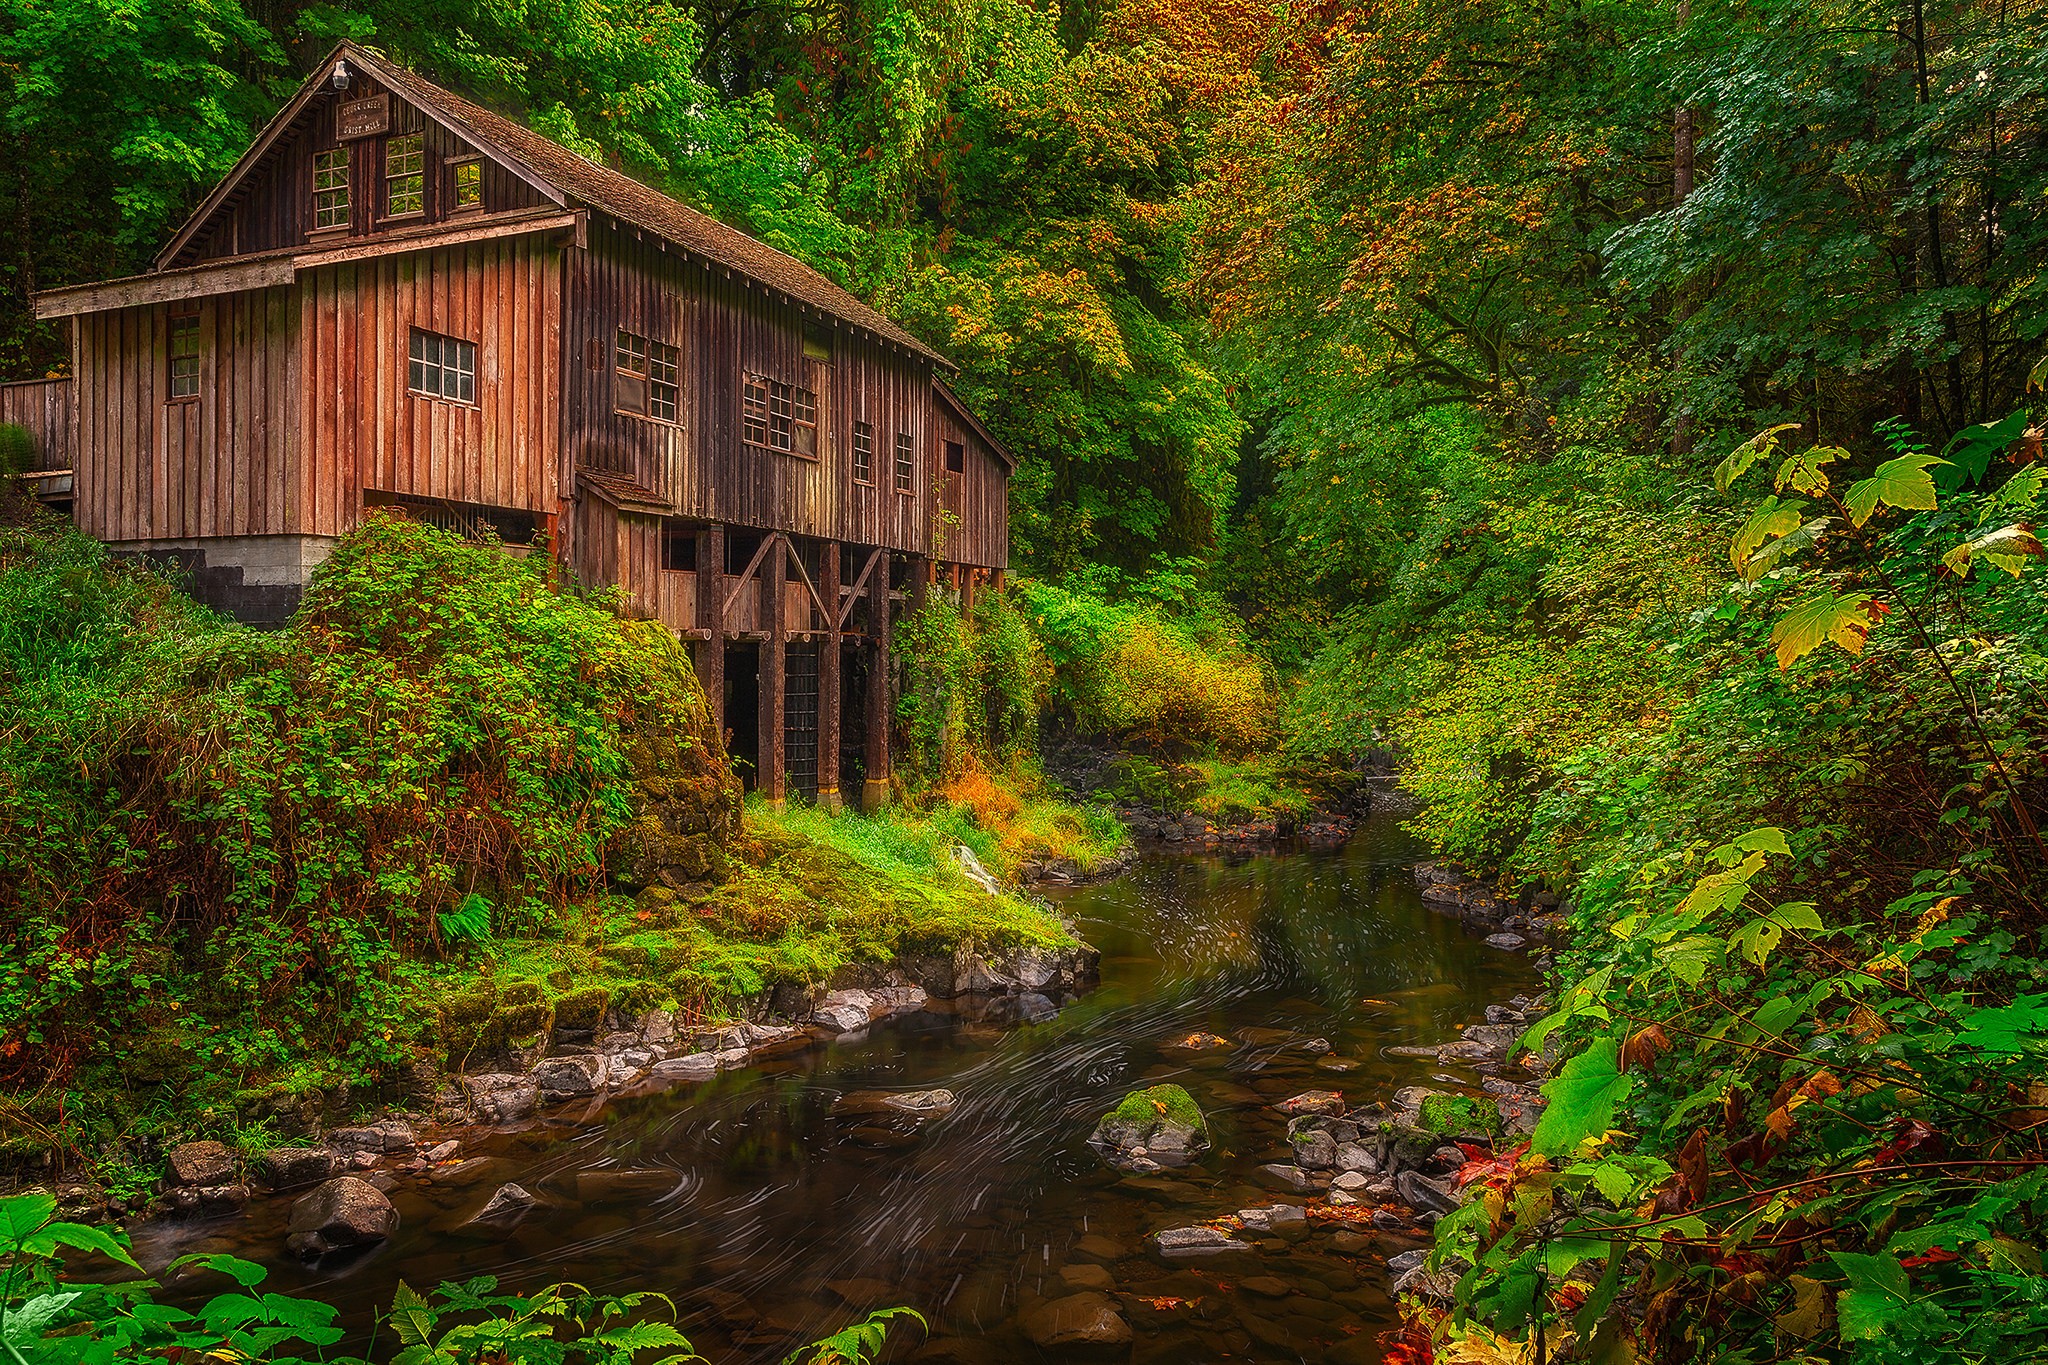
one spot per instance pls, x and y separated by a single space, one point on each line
567 178
966 414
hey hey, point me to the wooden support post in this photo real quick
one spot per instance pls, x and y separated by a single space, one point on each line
875 791
967 594
921 570
996 583
828 679
772 778
711 617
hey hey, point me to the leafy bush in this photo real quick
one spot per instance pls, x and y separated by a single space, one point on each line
971 688
231 842
48 1319
1133 671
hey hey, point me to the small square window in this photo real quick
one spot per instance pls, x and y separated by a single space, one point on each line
185 355
442 367
469 183
863 453
956 458
330 188
405 175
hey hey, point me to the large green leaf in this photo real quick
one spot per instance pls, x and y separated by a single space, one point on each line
79 1237
2007 1030
1969 454
1806 471
1771 518
2008 548
1748 453
1582 1099
22 1214
1845 619
1877 1296
410 1317
1903 483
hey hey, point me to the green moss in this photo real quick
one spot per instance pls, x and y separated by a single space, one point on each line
1160 1101
1454 1114
583 1008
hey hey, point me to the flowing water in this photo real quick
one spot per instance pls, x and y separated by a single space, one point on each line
772 1220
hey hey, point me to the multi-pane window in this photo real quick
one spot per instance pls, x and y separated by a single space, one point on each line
330 188
648 377
780 416
469 183
405 174
442 367
906 470
185 355
863 453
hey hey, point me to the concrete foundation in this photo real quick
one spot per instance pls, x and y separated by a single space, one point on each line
255 579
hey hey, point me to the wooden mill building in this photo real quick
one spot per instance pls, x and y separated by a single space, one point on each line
400 299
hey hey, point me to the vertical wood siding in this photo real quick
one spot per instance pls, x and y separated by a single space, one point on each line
370 431
225 463
978 498
727 327
48 410
274 206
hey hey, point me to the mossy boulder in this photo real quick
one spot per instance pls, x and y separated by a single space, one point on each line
582 1010
684 798
1150 1129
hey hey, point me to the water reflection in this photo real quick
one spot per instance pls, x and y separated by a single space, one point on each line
773 1219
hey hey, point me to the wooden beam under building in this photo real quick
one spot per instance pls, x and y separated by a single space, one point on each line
874 792
773 778
711 619
828 679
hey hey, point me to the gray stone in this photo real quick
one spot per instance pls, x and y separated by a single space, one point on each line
387 1137
1283 1177
1186 1243
507 1205
564 1078
294 1168
842 1017
1273 1217
500 1096
658 1028
923 1103
1424 1195
1315 1151
344 1212
1312 1102
443 1151
1084 1319
1352 1156
1350 1180
199 1163
697 1066
1509 942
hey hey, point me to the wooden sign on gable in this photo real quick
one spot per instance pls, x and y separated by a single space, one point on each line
362 118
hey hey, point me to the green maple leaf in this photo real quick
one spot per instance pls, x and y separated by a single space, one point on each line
1814 622
1903 483
1582 1099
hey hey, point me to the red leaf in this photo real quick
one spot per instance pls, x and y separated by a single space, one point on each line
1932 1256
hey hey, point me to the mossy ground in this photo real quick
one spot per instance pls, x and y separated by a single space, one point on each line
1157 1102
1227 792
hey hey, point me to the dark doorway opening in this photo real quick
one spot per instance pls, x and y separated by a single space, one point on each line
800 718
853 721
743 710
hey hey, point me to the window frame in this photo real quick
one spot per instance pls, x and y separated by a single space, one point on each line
455 166
183 325
650 358
906 465
418 365
338 159
772 416
417 156
864 445
948 450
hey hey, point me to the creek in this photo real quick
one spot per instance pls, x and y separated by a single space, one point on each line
771 1220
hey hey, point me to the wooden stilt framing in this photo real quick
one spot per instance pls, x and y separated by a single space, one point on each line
875 791
773 779
921 570
828 677
967 593
711 617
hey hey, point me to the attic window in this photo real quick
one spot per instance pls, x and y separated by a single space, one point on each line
468 177
956 458
405 175
817 343
330 189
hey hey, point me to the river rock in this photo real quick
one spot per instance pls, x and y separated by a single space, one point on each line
1196 1042
1424 1195
199 1163
1096 1247
1162 1124
1274 1218
1084 1319
570 1077
1354 1156
500 1096
1312 1102
294 1168
507 1205
915 1103
696 1066
1185 1243
1088 1275
386 1137
844 1011
1315 1150
1276 1175
1509 942
658 1028
1266 1286
344 1212
1350 1180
